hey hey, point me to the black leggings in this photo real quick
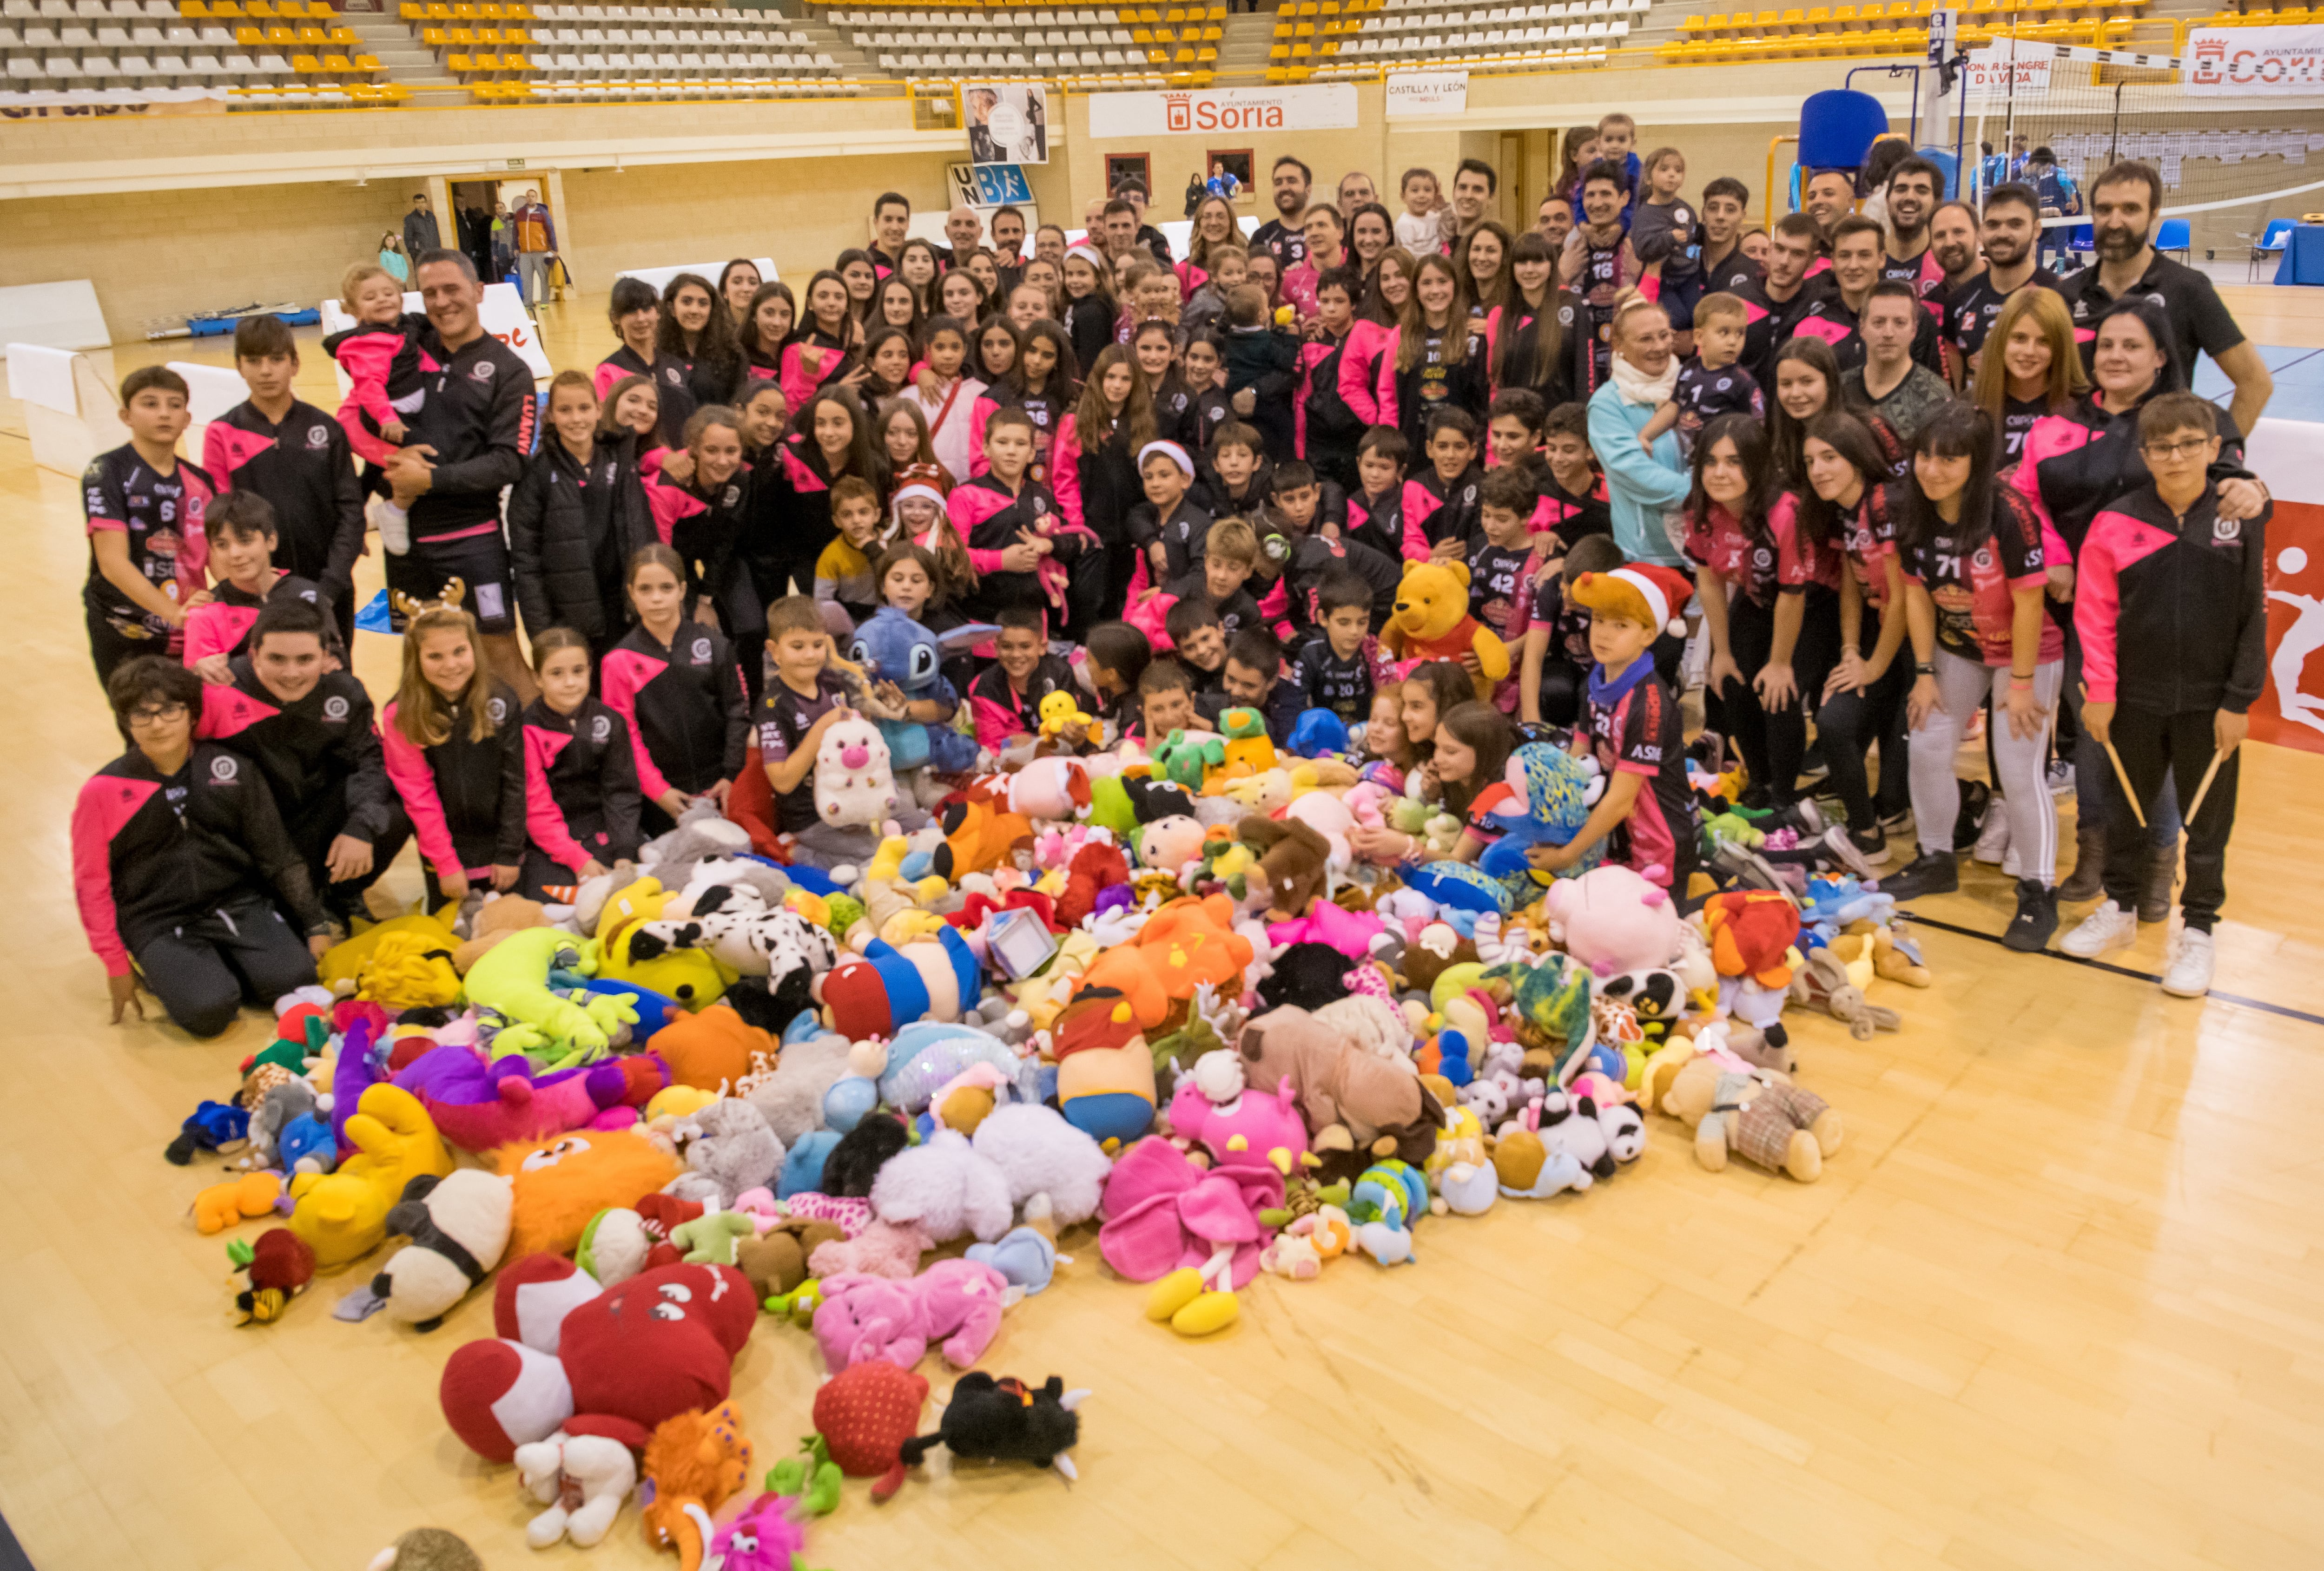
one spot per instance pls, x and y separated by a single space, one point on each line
203 969
1775 742
1849 723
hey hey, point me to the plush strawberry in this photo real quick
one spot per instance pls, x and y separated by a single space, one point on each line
865 1414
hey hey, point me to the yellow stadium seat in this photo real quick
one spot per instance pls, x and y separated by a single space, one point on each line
1281 52
339 63
249 37
433 37
464 11
225 11
365 62
490 11
458 62
1205 56
258 8
306 65
438 11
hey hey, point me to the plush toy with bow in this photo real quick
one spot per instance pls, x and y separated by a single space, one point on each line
1005 1420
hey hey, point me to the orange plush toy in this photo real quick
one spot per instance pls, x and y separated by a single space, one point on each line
711 1050
1186 943
1751 930
979 831
693 1464
559 1184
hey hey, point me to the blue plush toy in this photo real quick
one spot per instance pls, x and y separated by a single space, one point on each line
305 1145
1557 790
891 646
1318 731
1462 892
803 1163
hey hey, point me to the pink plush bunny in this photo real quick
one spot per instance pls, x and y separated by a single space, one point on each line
875 1317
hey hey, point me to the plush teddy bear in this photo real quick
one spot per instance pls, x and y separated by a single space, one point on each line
1431 622
733 1150
855 785
1757 1115
1294 864
582 1479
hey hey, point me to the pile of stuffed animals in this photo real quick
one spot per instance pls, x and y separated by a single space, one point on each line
1150 998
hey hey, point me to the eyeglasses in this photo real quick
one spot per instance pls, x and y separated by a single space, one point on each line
2173 451
160 714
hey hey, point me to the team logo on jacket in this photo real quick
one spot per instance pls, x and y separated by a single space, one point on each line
701 650
2225 531
730 497
1469 496
1763 558
482 370
497 709
1983 559
318 438
1040 506
335 708
225 768
601 729
612 470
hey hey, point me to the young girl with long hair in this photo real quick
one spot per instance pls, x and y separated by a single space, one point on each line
701 508
820 350
1090 308
2031 367
636 313
896 304
859 276
676 685
887 363
1371 339
1775 640
1437 358
699 332
580 775
900 434
573 517
1467 770
1850 503
1045 385
1540 336
946 404
1094 464
766 326
915 264
453 742
831 437
961 296
1483 259
1975 577
999 346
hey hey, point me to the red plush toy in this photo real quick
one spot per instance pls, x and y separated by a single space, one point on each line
615 1362
1097 867
865 1414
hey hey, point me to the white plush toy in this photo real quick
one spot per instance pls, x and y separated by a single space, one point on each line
854 787
596 1471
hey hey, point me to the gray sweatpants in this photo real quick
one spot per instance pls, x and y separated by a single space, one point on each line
2022 762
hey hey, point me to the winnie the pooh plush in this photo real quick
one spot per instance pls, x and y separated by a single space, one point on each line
1431 622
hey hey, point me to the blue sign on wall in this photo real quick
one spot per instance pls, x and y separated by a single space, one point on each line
997 183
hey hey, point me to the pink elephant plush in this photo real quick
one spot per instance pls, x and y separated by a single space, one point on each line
864 1317
1250 1127
882 1249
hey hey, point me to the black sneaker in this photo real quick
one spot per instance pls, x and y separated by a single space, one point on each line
1895 822
2036 919
1811 764
1870 844
1975 796
1929 873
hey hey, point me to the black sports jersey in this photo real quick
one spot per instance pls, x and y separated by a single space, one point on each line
160 516
1703 396
1236 611
1377 520
1181 538
673 390
1832 320
1495 581
1287 241
304 468
1769 323
1343 686
1970 311
684 705
465 796
2017 418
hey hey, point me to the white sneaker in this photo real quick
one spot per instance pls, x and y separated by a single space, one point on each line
1993 835
2061 778
2188 975
2108 927
394 525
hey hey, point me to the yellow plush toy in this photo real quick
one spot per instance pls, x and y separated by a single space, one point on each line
1431 622
1059 711
342 963
691 976
342 1215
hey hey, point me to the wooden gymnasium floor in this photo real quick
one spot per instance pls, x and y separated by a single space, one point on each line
2055 1305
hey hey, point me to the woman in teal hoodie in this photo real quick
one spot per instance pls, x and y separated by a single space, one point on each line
1642 479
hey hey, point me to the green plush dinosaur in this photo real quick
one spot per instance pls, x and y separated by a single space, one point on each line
1553 997
1184 756
512 980
713 1238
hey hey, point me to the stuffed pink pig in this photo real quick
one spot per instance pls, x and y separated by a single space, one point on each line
876 1317
1611 920
1235 1123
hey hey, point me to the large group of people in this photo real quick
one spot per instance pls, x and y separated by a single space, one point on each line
1875 483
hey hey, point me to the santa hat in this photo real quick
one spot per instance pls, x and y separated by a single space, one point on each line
1171 450
1652 596
917 490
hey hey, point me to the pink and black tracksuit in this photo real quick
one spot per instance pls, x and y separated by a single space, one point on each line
580 795
465 796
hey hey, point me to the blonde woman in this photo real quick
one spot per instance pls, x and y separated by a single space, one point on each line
2029 367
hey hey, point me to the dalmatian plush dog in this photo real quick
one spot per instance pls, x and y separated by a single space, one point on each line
743 933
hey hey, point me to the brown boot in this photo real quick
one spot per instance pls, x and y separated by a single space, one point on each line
2088 879
2161 877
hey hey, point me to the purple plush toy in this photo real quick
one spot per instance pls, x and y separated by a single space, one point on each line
478 1105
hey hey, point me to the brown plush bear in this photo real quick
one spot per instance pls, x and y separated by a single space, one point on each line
1337 1084
776 1261
1761 1117
1292 863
